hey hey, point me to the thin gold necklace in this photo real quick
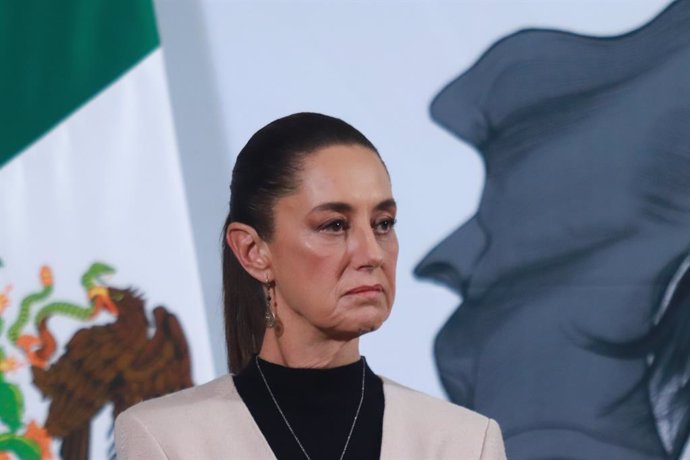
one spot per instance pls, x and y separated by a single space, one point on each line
275 401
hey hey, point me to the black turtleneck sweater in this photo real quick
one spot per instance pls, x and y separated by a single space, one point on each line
320 405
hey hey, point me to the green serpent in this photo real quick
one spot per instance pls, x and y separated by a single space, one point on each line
92 283
15 330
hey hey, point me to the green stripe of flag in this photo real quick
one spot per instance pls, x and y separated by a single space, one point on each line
57 54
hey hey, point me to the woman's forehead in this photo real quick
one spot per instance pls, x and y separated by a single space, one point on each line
346 177
344 172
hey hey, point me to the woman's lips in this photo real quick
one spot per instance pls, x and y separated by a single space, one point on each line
370 290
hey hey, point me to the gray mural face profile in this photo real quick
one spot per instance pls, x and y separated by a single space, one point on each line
574 330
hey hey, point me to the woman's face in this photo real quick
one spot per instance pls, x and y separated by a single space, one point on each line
334 249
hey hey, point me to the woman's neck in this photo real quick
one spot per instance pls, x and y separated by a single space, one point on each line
291 351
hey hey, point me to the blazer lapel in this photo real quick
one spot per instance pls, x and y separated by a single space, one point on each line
394 440
254 441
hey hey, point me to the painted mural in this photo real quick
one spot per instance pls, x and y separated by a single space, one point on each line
574 328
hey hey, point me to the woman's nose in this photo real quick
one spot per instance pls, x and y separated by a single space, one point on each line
366 250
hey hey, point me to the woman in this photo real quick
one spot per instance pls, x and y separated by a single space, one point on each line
308 267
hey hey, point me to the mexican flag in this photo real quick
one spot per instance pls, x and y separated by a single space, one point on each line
100 297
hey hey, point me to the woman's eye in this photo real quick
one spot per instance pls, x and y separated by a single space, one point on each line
335 226
384 226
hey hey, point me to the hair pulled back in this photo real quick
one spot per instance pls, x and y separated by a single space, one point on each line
267 169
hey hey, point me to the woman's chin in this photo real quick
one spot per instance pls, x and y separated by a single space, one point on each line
357 328
367 330
368 324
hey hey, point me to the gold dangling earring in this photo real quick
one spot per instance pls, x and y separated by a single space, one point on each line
269 316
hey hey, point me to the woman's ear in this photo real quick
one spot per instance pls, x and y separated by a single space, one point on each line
249 249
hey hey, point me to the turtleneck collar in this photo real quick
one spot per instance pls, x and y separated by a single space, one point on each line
305 378
320 405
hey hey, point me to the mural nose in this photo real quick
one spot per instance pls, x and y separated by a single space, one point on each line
452 261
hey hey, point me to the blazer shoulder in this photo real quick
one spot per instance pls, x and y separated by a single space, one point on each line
206 421
429 427
431 406
186 404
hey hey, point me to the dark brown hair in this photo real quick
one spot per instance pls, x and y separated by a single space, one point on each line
266 169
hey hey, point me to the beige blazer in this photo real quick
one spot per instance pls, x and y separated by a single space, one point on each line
211 422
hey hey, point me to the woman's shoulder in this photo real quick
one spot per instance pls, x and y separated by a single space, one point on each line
197 399
206 421
422 403
434 428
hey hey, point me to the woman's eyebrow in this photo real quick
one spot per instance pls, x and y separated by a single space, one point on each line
386 205
338 206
